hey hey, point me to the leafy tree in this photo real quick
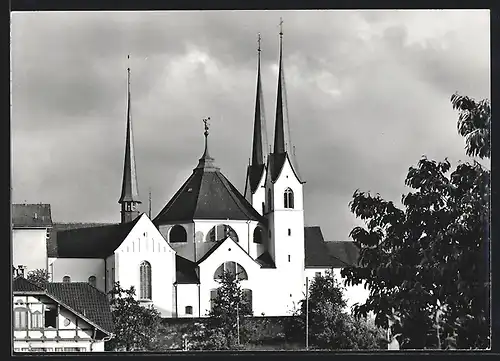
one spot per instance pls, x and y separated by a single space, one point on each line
474 124
39 277
428 263
136 326
330 326
225 327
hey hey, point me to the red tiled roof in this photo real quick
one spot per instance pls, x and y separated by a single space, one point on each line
81 298
31 215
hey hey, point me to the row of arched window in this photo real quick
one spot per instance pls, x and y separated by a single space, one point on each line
22 315
218 233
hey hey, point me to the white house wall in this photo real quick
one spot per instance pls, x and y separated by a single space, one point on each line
145 243
29 247
79 269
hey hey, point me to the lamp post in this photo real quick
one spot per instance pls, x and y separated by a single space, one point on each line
307 313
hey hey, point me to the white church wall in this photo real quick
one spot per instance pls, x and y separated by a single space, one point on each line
29 248
145 243
227 251
188 296
79 270
259 197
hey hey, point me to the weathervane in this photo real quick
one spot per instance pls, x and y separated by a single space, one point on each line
281 27
206 125
258 41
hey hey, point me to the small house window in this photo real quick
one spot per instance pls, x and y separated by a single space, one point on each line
51 317
66 279
257 235
92 281
288 258
189 310
20 318
36 320
289 232
288 198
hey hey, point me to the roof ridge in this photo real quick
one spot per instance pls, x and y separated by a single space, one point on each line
176 195
235 199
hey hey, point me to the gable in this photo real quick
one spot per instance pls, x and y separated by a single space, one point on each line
237 252
276 164
144 237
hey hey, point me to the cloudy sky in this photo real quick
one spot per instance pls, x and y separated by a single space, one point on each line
368 95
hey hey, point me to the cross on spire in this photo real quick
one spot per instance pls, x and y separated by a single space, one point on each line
281 27
128 63
206 125
258 41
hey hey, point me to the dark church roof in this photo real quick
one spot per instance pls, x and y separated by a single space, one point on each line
254 175
82 298
337 254
207 194
87 240
185 271
265 260
31 216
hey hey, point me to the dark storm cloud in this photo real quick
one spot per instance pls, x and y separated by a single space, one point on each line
368 94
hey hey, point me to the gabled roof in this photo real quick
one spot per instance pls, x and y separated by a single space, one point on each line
276 163
207 195
327 254
59 227
31 215
88 242
185 271
254 176
84 300
265 260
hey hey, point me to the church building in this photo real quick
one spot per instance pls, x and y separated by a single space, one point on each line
175 259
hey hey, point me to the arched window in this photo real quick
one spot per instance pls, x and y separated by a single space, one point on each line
189 310
258 235
20 318
233 268
36 320
92 281
288 197
177 234
247 295
220 232
66 279
145 281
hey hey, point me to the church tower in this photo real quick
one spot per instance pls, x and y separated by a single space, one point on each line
129 199
256 171
284 193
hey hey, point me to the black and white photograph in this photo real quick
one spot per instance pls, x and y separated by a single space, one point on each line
243 181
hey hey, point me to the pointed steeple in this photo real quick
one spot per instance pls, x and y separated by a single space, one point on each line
129 198
259 145
282 142
206 161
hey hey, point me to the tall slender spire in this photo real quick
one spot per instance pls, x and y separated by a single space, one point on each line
129 198
259 146
282 142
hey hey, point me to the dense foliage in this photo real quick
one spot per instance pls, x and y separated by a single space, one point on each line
330 327
427 265
136 327
224 329
39 277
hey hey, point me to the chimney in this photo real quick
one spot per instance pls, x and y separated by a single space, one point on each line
20 270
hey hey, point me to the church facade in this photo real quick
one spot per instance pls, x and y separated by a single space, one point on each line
174 260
